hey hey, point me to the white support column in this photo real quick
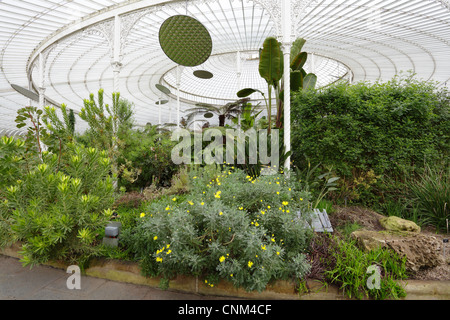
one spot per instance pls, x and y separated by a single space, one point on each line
41 80
312 59
117 54
238 73
179 71
238 70
159 111
286 21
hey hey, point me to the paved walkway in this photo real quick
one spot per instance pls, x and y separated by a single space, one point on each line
47 283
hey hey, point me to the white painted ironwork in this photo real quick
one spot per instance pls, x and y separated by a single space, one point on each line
368 40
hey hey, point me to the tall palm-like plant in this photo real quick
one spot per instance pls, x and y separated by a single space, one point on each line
271 69
229 111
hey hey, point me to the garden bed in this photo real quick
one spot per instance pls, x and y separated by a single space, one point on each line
129 272
369 220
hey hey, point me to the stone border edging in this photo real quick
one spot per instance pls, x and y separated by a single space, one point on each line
129 272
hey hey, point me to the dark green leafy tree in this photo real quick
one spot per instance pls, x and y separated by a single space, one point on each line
106 123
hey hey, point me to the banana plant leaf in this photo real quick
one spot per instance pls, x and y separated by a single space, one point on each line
248 91
299 61
310 81
271 65
297 47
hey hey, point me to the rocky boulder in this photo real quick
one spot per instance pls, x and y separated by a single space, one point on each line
398 224
421 251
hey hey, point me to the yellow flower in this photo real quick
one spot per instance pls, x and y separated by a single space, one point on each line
250 264
191 203
278 253
301 199
273 239
168 246
256 224
278 192
169 252
285 203
221 213
231 275
159 259
167 208
222 259
202 203
241 208
142 215
155 238
263 247
174 199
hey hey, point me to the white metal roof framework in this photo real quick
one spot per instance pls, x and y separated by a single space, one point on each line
67 49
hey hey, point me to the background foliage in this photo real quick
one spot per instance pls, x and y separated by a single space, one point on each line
371 135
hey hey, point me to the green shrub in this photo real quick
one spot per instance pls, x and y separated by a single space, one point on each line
222 230
383 128
12 161
148 153
56 214
348 267
430 196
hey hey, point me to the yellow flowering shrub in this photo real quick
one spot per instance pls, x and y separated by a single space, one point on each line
228 227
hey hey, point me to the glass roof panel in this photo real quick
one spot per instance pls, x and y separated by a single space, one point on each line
362 40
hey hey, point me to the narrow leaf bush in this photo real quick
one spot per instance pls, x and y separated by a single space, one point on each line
58 214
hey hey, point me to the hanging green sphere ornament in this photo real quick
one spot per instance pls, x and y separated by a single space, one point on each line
185 41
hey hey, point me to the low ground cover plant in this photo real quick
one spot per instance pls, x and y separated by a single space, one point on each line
348 267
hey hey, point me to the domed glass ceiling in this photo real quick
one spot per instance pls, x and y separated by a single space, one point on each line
226 82
113 44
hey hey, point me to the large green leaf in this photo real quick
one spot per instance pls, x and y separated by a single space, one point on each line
248 91
297 47
299 61
310 81
296 80
271 64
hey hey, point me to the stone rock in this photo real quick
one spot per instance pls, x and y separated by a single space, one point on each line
421 251
398 224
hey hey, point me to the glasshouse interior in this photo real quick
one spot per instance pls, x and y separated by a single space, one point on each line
139 133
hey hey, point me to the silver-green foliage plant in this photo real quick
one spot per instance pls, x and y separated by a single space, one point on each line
57 214
228 227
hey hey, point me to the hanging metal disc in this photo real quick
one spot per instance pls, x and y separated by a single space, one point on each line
209 115
162 102
203 74
185 40
162 88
